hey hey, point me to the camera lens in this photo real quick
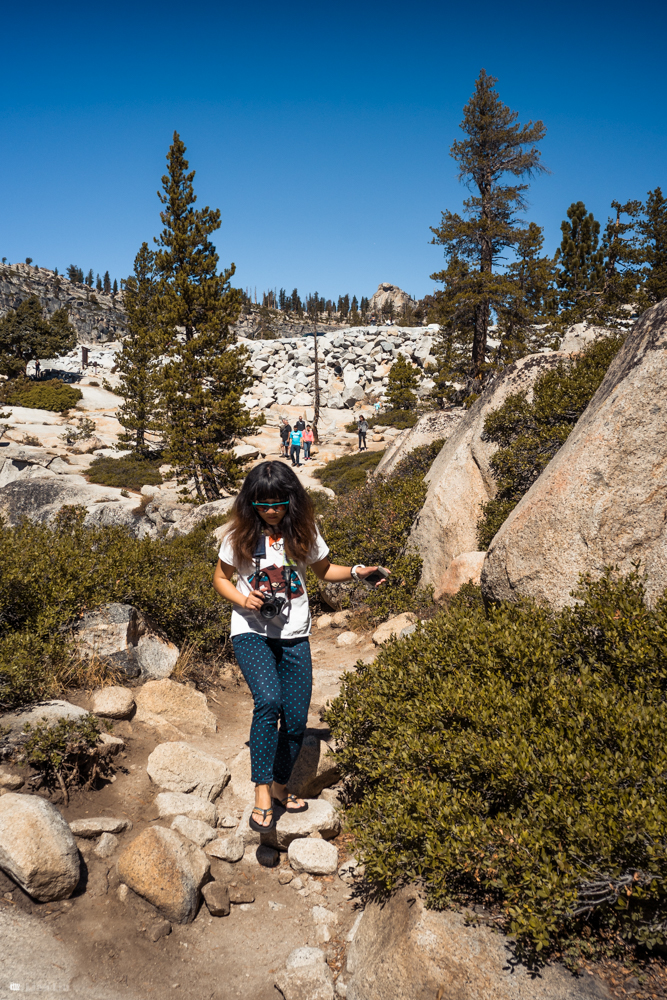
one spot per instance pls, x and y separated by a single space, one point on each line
268 609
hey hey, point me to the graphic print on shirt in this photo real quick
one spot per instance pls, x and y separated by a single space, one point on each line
276 581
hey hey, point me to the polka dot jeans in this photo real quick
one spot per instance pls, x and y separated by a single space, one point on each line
279 673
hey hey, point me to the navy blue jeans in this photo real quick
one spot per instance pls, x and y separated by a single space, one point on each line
279 673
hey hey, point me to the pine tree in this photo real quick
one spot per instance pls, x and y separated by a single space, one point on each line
89 278
580 260
495 145
75 274
25 335
205 376
138 359
401 385
622 258
652 229
531 301
106 283
453 309
114 290
98 284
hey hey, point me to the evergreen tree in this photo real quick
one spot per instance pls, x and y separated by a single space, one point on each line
355 305
454 309
622 258
295 303
652 229
106 283
25 335
282 299
401 384
137 361
89 278
531 301
205 376
114 290
580 261
75 274
495 145
98 284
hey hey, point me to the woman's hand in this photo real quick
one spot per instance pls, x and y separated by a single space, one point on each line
367 570
254 600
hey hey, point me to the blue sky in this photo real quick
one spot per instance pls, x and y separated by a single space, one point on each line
321 131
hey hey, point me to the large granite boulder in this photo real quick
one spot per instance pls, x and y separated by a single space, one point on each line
37 847
402 951
126 637
179 767
461 480
601 500
430 427
167 870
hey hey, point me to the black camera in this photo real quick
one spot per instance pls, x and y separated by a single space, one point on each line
272 606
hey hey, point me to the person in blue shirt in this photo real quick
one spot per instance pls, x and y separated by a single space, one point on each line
295 451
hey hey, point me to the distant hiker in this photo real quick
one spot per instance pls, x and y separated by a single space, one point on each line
362 429
285 430
295 451
38 368
307 439
300 424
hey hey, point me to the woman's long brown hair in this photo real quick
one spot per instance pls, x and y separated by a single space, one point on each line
272 481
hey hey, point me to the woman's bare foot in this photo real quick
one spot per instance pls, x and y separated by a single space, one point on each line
262 801
280 793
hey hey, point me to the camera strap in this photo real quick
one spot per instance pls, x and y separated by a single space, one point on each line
259 554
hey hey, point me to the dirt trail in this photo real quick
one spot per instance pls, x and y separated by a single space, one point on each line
96 946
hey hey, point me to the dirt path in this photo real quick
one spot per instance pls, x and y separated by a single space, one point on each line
97 946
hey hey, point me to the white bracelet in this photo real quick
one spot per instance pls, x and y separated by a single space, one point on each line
354 574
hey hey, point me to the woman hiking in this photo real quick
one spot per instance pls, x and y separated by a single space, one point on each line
271 539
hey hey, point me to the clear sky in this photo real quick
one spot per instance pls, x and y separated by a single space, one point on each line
321 131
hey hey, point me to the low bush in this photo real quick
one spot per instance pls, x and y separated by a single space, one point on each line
401 419
371 525
66 755
531 433
129 472
518 756
349 472
50 395
52 574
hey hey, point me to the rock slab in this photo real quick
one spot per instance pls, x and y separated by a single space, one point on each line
402 951
179 767
465 568
113 702
601 500
314 856
96 825
393 627
165 869
182 804
320 818
175 707
37 847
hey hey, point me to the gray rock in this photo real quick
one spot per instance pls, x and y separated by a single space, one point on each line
600 501
94 826
46 711
199 514
400 944
179 767
170 804
165 869
159 929
37 847
175 708
12 782
112 702
306 982
106 845
429 427
314 856
229 848
129 639
198 832
460 479
320 818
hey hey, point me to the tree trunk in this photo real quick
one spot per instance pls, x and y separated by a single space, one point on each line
316 411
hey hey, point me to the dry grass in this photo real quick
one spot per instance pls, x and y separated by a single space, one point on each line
87 674
205 671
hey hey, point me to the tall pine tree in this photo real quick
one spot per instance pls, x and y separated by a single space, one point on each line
580 262
138 359
495 146
652 229
205 376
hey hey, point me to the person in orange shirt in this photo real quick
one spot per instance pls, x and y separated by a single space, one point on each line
307 439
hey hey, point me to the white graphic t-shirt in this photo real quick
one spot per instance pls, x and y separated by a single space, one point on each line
277 572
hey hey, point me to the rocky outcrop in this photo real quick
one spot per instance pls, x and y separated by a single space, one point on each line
390 294
601 500
128 639
465 568
37 847
97 318
461 480
179 767
402 951
429 428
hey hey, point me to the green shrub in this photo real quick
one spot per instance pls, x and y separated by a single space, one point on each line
129 472
52 574
371 525
348 472
530 434
519 756
401 385
67 754
51 395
